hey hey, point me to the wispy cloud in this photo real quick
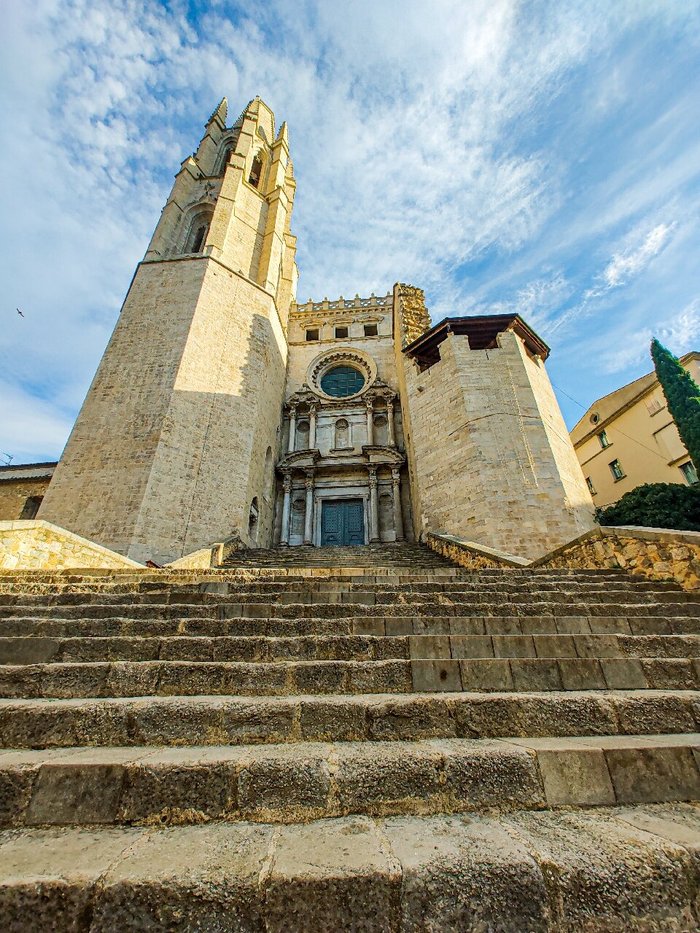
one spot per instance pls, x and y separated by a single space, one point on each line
625 265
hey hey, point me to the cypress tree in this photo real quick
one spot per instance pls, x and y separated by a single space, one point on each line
682 397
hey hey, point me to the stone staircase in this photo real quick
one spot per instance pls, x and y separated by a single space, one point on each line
348 739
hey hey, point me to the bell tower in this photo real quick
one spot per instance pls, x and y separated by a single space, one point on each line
175 444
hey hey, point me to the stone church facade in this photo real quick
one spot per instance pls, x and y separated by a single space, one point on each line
222 407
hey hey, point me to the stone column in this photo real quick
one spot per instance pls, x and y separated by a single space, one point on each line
309 513
398 516
373 506
312 427
292 429
369 404
286 507
390 422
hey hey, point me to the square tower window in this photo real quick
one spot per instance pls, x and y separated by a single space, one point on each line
370 330
312 334
341 332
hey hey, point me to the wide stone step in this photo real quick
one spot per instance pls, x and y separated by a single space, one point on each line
625 868
333 590
281 678
214 720
355 604
375 625
38 650
298 783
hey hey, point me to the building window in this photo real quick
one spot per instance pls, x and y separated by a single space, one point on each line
341 332
591 487
616 470
312 334
255 172
370 330
225 159
689 472
603 438
31 507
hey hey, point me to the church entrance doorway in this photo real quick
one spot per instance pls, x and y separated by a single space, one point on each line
342 522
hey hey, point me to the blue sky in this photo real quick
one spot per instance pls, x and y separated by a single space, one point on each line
541 157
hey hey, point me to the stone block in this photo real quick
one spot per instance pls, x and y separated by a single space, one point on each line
292 785
432 676
581 674
513 646
535 674
68 793
642 775
471 646
429 646
575 777
486 675
623 673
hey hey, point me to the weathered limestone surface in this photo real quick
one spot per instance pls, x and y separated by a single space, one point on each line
352 738
653 553
40 545
490 457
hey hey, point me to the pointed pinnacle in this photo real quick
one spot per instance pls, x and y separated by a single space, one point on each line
220 112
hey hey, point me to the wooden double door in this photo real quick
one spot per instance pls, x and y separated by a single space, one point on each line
342 522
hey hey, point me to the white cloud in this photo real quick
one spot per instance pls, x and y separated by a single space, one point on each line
624 266
680 333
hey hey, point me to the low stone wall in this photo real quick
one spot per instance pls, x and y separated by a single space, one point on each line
39 545
470 555
212 556
658 554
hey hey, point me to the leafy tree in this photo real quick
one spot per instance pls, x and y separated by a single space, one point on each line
656 505
682 396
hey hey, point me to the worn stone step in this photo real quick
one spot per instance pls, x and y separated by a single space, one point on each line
219 720
297 783
37 650
333 590
614 869
355 604
279 678
376 625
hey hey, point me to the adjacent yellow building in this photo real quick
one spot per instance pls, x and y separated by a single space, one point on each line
628 438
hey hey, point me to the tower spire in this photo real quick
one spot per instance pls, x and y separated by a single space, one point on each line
220 112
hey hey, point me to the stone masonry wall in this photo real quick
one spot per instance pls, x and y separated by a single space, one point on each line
37 545
169 447
14 494
484 465
652 553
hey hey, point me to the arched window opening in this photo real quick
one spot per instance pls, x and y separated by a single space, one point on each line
253 516
198 232
31 507
342 434
255 172
226 158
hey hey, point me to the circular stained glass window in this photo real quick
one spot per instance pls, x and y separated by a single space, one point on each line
342 381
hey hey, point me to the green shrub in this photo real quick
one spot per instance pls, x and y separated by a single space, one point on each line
656 505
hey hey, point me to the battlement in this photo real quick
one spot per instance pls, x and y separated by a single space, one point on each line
374 301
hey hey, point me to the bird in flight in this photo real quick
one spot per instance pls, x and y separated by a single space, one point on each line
21 313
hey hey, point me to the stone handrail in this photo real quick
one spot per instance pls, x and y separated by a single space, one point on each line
38 545
469 554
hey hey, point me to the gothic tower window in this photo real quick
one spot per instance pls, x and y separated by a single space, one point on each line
255 172
226 158
199 229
